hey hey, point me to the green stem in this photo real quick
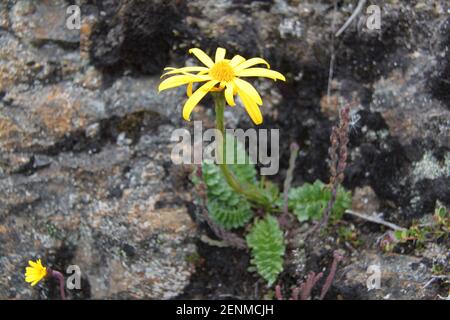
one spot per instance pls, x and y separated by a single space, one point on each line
250 192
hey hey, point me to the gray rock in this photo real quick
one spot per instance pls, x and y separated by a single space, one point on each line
401 277
105 212
41 22
85 170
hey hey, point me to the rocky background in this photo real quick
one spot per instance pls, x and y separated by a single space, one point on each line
85 170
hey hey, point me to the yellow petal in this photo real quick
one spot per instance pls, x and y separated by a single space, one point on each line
189 89
190 85
251 107
32 263
30 271
196 97
220 54
183 70
176 81
251 62
237 60
261 72
30 278
248 89
229 91
202 56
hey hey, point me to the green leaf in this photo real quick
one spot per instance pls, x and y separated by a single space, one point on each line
398 234
266 241
225 207
309 201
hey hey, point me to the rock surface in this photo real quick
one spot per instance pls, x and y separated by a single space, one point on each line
85 170
86 177
401 277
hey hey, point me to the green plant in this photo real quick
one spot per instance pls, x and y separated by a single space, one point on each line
422 233
349 234
225 207
231 210
266 241
309 201
438 269
53 231
232 191
414 233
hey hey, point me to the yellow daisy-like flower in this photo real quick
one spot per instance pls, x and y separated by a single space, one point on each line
221 74
35 272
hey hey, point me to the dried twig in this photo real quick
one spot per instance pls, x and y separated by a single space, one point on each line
434 278
355 13
375 219
332 53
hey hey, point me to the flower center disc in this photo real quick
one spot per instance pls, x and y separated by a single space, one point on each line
222 71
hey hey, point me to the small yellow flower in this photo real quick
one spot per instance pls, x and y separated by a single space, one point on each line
35 273
221 74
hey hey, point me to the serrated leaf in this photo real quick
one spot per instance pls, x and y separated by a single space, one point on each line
225 207
267 244
309 201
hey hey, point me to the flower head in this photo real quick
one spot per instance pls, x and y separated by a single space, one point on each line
35 272
221 75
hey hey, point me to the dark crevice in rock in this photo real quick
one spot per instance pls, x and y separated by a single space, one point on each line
133 125
366 57
69 46
222 274
440 79
440 87
136 31
431 190
30 167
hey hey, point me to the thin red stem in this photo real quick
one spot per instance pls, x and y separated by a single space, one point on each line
59 276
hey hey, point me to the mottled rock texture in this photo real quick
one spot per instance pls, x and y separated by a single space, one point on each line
85 170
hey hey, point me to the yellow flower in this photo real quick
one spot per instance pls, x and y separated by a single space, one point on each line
35 273
221 74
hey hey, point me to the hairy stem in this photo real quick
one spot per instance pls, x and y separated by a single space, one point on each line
250 192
